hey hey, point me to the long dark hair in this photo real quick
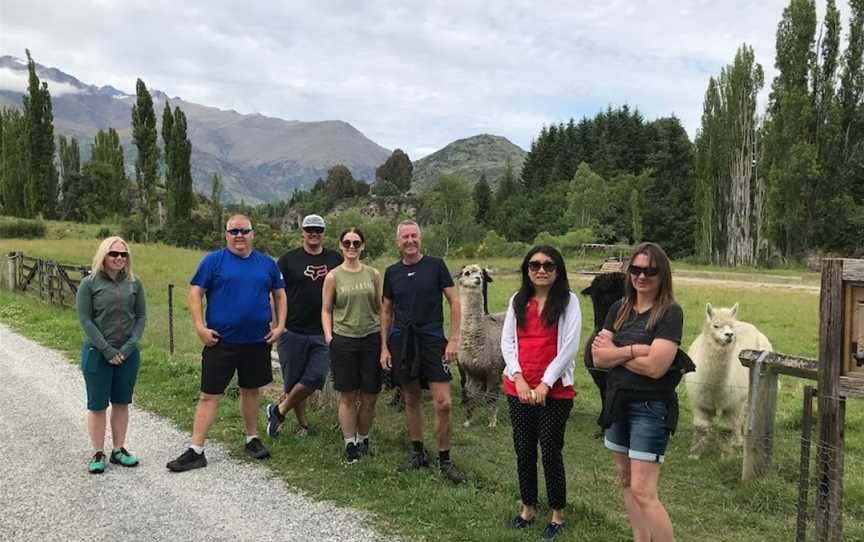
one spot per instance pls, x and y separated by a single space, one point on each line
657 257
559 293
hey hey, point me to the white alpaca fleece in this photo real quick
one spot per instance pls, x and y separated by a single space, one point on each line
720 385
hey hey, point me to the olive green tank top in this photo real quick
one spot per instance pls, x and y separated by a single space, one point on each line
354 311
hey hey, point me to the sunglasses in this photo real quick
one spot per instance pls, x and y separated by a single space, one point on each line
635 270
319 231
240 231
547 266
348 243
118 254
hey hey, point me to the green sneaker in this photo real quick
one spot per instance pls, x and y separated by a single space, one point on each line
97 464
120 456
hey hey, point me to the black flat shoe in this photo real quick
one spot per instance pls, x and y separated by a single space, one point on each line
520 523
552 529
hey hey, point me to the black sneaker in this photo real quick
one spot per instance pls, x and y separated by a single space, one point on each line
255 448
417 460
274 420
552 529
187 461
352 453
364 448
449 471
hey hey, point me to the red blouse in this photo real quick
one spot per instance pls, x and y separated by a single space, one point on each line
538 346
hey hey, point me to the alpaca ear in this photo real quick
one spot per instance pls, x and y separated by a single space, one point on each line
734 310
486 276
709 310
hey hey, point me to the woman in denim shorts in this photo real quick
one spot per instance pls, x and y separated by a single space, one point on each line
638 343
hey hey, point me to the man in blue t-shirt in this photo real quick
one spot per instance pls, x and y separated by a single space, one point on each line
237 336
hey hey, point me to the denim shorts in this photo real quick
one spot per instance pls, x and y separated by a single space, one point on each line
305 359
643 434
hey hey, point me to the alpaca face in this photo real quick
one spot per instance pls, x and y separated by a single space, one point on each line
471 276
720 324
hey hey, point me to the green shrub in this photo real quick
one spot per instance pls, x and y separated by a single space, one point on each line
103 233
21 228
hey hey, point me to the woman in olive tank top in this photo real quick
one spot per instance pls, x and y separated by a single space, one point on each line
351 301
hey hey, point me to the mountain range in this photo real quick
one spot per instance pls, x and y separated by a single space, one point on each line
259 159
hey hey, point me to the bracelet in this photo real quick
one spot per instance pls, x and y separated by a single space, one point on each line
631 352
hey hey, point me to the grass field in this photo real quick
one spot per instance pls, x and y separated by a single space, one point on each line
706 499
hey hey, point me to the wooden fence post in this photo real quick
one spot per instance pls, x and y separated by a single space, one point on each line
829 454
759 431
11 270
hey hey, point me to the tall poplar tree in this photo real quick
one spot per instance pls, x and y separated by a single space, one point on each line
70 178
41 187
731 192
107 150
14 164
147 162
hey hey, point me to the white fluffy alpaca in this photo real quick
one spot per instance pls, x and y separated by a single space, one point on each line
720 385
480 358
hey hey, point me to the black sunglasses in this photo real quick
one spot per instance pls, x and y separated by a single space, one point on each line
635 270
314 230
118 254
348 243
547 266
240 231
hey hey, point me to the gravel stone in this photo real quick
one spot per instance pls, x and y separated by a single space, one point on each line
47 494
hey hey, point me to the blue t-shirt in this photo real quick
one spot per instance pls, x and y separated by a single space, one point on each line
238 294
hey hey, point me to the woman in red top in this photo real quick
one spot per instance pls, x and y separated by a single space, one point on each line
539 341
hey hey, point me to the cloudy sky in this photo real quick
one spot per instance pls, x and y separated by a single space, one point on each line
409 74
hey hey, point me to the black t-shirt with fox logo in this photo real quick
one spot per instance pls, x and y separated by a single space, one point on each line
304 278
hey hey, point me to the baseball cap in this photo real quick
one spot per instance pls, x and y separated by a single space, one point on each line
313 221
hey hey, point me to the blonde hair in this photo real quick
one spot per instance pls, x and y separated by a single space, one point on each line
105 247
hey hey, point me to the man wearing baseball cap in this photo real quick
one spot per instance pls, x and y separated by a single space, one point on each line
303 353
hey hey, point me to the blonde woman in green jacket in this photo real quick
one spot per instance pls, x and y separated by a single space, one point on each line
112 312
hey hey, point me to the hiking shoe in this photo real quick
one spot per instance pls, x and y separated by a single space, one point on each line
417 460
552 529
302 431
188 460
255 448
364 448
352 453
449 471
121 456
274 420
97 463
520 523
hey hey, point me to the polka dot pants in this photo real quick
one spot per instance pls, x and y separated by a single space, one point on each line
544 425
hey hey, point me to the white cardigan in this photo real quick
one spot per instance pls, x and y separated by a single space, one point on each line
569 329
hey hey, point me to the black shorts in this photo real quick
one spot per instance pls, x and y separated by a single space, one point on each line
356 363
431 365
220 361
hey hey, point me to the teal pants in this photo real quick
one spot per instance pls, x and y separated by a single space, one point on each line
106 382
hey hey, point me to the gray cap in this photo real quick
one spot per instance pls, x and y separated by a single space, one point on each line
313 221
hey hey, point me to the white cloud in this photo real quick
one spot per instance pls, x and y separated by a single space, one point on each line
17 81
412 74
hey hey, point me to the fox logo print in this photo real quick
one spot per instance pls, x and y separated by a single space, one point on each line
315 272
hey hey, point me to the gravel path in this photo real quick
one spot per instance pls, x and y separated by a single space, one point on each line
46 492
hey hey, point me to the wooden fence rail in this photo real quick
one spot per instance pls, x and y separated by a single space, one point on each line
49 281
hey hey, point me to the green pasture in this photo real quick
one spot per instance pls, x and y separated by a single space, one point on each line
706 499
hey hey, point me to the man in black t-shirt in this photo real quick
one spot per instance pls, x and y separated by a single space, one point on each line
303 353
413 344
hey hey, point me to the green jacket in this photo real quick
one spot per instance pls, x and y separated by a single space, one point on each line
112 313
